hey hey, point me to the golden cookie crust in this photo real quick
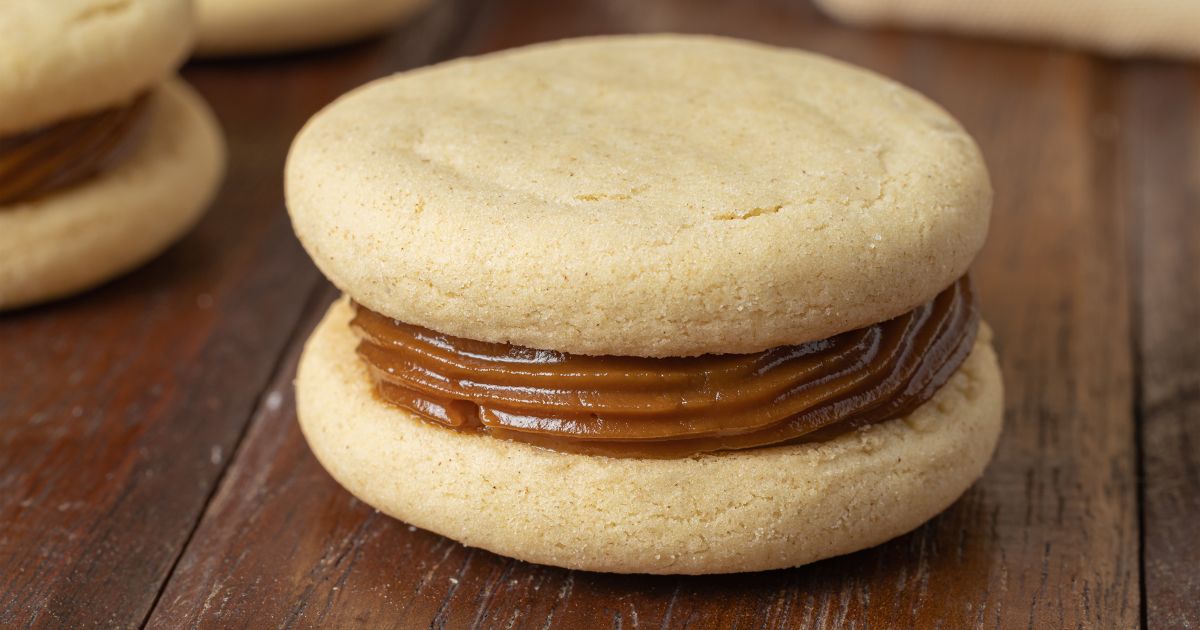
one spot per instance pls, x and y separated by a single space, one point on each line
740 511
575 196
78 237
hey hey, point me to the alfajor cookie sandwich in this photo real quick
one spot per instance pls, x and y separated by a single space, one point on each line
248 27
106 157
652 304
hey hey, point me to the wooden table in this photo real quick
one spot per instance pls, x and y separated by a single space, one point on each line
151 470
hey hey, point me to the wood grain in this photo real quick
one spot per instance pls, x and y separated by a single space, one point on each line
151 469
120 409
1047 539
1054 279
1163 135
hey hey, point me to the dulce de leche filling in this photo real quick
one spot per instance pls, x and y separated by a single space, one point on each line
36 163
672 407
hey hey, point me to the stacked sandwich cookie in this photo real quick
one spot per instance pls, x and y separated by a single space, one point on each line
243 27
106 158
647 304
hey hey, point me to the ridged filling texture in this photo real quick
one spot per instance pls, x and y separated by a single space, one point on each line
672 407
40 162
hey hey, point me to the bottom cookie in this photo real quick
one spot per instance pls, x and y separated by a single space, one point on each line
728 512
79 237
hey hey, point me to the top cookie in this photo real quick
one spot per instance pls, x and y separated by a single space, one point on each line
642 195
64 58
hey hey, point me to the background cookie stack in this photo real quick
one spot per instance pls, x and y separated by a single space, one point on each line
106 157
236 27
1115 27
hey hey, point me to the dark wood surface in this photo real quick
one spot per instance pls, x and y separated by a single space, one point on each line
151 471
1163 199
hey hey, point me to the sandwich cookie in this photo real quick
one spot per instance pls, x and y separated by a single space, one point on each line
246 27
647 304
106 158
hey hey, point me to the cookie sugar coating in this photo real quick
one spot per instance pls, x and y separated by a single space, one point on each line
640 195
62 58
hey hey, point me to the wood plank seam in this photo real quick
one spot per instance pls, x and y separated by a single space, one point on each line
1163 136
261 400
467 17
1134 242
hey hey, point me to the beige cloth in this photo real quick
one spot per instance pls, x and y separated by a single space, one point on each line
1117 27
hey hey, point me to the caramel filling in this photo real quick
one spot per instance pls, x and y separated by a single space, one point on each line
55 157
672 407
